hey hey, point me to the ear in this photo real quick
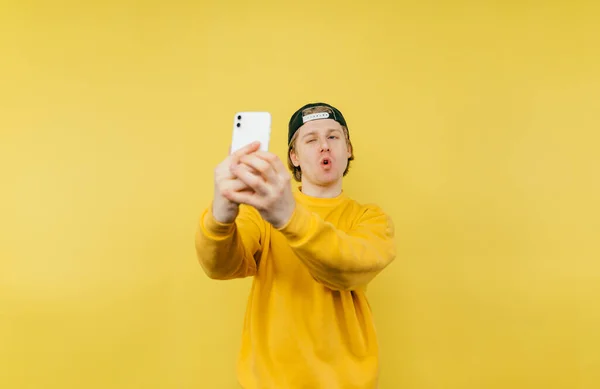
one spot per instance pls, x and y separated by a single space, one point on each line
294 158
349 150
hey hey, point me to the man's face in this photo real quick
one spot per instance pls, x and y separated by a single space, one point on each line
322 151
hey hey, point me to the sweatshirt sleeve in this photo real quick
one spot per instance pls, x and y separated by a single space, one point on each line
228 250
342 260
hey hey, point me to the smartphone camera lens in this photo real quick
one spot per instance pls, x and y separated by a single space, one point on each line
239 125
239 117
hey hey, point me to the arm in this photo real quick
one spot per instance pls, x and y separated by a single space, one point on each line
227 250
337 259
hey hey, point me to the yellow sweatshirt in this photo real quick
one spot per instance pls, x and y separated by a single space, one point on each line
308 323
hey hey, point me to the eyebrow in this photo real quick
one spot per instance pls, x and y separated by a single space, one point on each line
329 131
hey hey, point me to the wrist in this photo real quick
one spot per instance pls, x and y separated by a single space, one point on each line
298 228
285 217
224 213
214 228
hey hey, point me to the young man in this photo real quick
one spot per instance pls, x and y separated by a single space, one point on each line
312 252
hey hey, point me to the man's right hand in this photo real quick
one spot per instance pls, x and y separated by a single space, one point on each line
224 210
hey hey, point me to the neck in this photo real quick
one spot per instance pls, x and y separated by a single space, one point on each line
329 191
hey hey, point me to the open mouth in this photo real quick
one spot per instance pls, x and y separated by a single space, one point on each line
325 161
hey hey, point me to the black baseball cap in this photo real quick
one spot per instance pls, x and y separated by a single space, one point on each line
299 117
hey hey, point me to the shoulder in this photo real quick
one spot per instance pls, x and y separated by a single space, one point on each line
372 213
366 208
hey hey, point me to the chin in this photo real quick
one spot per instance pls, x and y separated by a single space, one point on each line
329 179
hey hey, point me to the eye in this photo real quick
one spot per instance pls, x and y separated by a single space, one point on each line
310 140
333 137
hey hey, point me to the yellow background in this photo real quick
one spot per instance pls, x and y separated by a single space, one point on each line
475 125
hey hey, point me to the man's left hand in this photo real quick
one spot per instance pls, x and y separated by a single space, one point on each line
272 196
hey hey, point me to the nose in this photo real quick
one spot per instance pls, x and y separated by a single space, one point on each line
324 145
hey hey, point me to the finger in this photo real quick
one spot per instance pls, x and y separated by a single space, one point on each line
249 198
261 166
234 197
234 159
272 159
235 185
249 148
254 181
231 194
233 166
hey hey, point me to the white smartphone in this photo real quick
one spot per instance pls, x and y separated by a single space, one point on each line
249 127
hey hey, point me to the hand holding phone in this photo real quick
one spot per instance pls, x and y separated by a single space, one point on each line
251 132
